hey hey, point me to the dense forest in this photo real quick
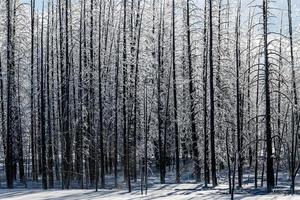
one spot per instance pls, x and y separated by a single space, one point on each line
107 93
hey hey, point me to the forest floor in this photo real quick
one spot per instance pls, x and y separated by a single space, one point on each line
188 190
168 191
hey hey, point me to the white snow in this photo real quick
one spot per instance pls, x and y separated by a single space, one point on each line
166 192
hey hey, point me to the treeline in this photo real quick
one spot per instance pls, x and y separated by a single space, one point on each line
94 89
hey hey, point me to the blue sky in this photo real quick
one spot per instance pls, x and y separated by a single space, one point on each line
278 4
38 3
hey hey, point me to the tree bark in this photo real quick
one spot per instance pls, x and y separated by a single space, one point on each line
43 114
212 104
270 171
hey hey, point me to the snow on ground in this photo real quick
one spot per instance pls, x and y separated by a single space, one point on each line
165 192
187 190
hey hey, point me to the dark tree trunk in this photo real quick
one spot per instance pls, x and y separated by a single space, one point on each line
102 173
117 64
206 137
279 133
256 125
270 171
2 130
58 106
295 101
43 114
91 104
137 36
32 97
67 157
20 133
192 98
10 94
177 137
49 125
159 103
228 161
212 104
238 100
79 132
17 106
125 134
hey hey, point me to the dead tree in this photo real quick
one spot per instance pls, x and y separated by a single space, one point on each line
270 171
212 103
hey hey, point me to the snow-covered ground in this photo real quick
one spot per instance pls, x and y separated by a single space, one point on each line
168 191
187 190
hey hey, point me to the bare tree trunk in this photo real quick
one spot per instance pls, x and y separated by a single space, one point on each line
10 94
228 161
146 121
125 134
2 130
117 64
191 97
212 104
58 101
249 46
238 100
256 125
270 171
79 132
177 137
295 101
100 108
137 35
20 133
86 93
279 133
206 141
49 125
67 158
32 96
73 99
17 106
43 117
52 106
159 103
